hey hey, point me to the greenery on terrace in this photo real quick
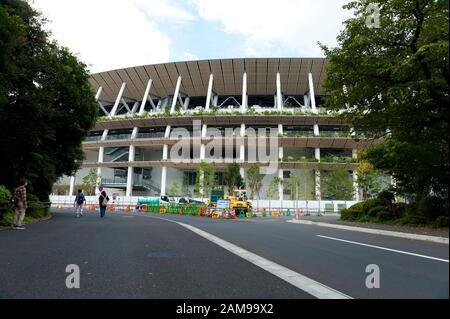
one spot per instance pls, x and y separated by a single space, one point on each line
323 159
215 112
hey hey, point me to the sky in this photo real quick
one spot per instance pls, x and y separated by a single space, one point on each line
113 34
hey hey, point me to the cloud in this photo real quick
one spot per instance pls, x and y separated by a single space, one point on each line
278 27
106 34
162 10
188 56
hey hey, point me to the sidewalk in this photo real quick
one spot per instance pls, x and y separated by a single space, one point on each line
393 230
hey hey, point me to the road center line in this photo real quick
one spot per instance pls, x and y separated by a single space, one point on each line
300 281
384 248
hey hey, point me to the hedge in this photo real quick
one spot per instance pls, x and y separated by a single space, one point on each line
351 214
374 210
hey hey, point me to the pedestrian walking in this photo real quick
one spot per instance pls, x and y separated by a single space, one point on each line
20 205
103 203
80 200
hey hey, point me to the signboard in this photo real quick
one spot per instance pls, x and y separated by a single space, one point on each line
223 204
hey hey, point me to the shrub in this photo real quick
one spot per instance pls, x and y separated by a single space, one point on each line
374 210
369 204
357 206
383 215
441 221
416 220
351 214
5 196
36 209
400 209
432 207
386 195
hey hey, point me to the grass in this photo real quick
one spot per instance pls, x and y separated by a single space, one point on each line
402 221
8 218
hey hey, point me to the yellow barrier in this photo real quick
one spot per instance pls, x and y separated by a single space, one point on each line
276 214
216 215
162 210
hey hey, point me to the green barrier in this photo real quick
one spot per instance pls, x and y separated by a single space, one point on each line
264 213
288 212
153 208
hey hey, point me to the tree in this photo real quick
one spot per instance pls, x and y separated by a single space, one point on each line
368 178
254 178
394 82
49 106
298 185
232 177
205 179
185 184
90 181
174 189
336 184
272 191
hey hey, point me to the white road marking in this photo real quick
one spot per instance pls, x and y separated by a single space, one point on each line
300 281
384 248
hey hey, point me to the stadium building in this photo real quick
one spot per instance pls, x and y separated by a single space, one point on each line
143 109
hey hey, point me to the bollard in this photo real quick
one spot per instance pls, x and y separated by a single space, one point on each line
288 214
264 213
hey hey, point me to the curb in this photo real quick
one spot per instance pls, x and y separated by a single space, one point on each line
434 239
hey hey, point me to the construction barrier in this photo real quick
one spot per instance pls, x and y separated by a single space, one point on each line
216 215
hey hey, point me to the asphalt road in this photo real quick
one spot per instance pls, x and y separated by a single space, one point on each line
143 256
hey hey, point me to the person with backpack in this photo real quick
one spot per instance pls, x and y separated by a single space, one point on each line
19 201
78 203
103 203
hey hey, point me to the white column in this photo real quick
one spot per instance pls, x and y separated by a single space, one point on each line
163 180
280 171
356 194
242 151
316 130
101 152
135 106
280 186
317 176
215 100
144 99
208 96
99 91
244 93
186 103
175 95
311 93
165 156
279 97
119 97
130 171
131 158
203 146
306 100
97 96
72 184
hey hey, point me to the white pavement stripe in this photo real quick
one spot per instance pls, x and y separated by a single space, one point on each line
435 239
304 283
384 248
